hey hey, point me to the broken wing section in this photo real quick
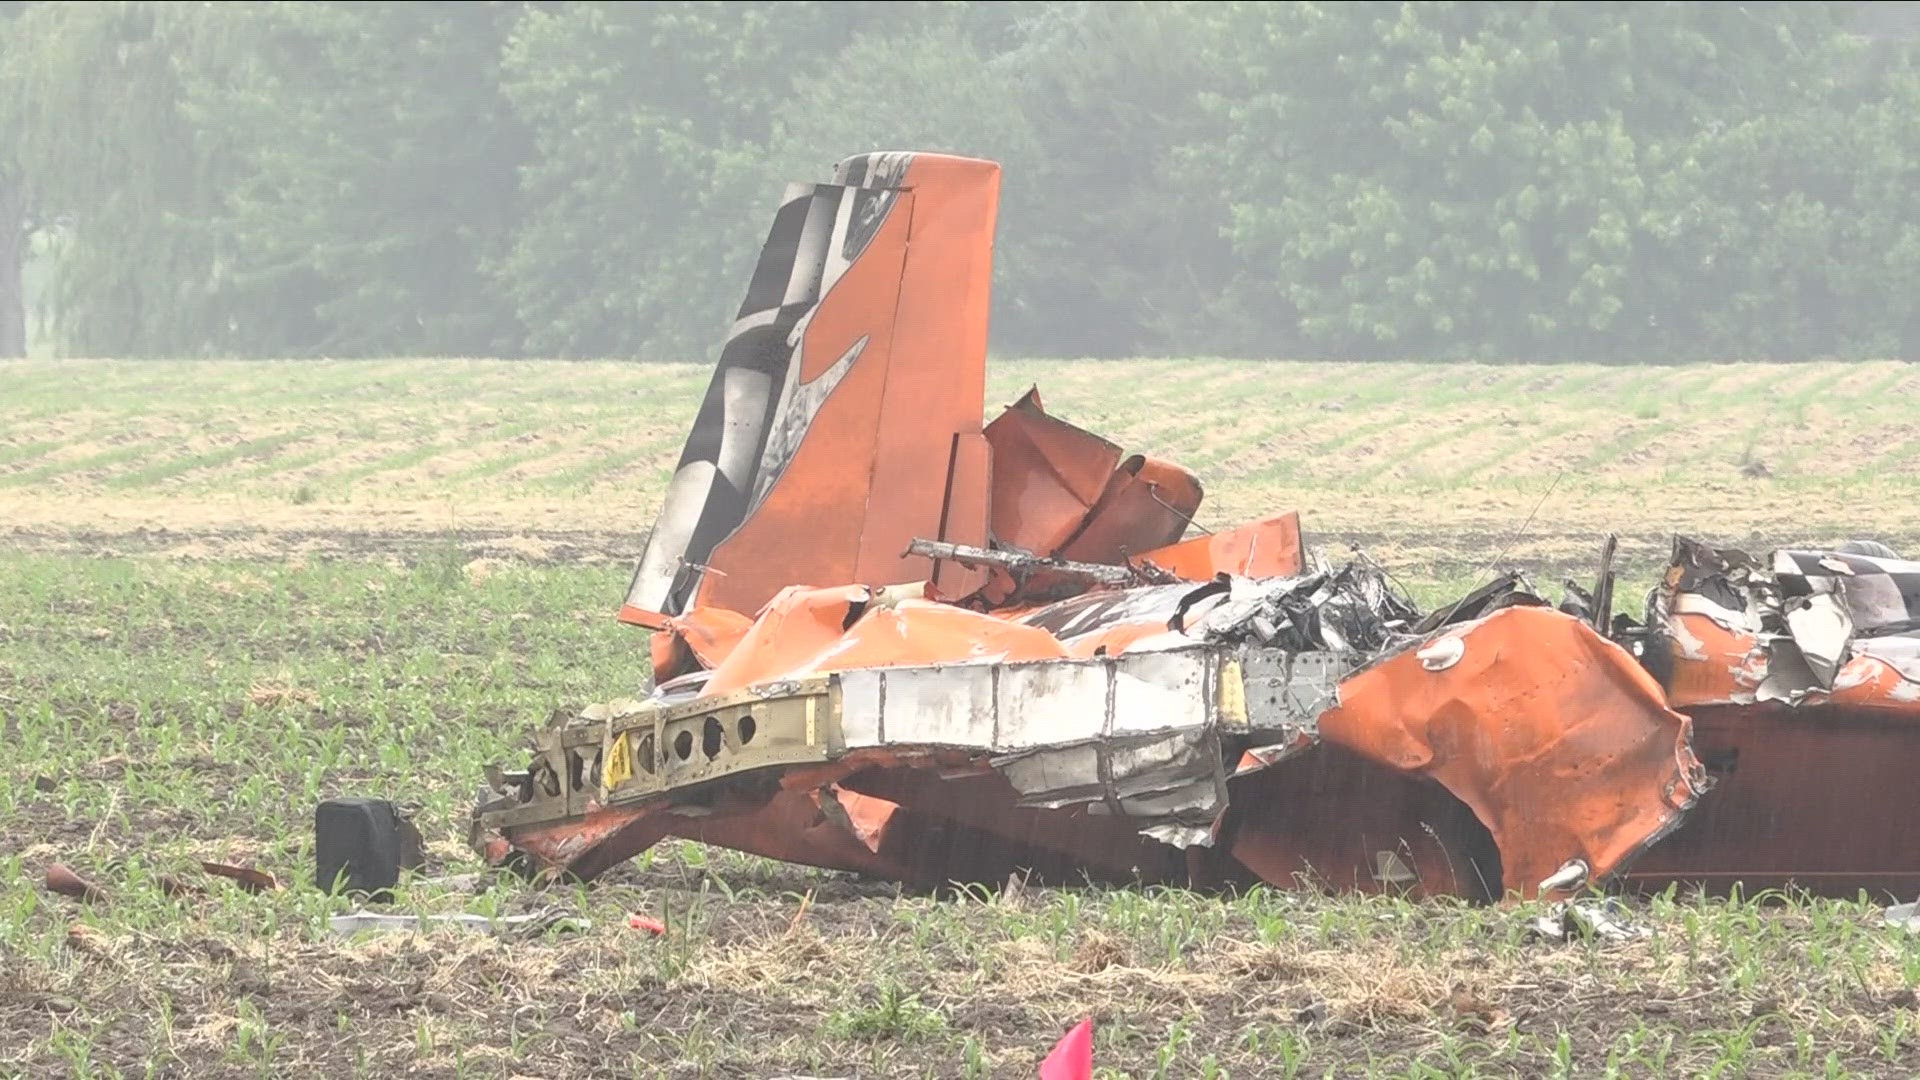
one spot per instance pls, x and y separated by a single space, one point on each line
846 400
901 754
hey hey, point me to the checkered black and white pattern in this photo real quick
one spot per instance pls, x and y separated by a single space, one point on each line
1880 595
756 410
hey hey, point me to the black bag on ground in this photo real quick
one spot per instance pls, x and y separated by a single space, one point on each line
361 845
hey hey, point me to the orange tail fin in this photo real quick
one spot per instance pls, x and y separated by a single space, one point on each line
844 417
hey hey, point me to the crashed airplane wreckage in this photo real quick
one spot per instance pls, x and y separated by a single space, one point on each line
891 639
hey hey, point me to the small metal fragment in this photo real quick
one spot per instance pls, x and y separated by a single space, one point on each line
347 926
1905 917
966 555
1571 875
1442 654
253 881
1605 919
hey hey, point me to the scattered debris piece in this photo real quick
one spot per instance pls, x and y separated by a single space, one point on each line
175 887
799 914
93 942
1473 1012
65 882
62 880
462 883
248 878
1904 916
1579 920
646 922
1013 894
347 926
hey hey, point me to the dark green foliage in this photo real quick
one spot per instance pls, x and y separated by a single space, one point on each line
109 167
1374 179
375 186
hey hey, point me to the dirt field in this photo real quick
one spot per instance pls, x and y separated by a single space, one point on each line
1428 465
230 590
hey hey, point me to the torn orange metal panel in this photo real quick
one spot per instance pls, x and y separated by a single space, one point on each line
1268 548
797 626
1875 683
1147 505
698 640
806 631
1559 742
1047 474
1712 664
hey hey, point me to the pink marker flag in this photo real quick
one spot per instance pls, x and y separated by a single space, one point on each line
1072 1057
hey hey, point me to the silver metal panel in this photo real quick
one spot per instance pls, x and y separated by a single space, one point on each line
1069 768
1195 800
951 705
1289 692
1161 692
1155 765
1058 701
1134 734
1822 628
860 707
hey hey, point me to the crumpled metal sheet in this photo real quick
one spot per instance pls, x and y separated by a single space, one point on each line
1346 611
1798 670
1559 742
1903 917
1803 627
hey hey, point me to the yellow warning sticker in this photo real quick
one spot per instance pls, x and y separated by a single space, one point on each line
1233 695
619 762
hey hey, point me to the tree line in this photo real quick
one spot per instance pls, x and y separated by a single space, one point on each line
1577 180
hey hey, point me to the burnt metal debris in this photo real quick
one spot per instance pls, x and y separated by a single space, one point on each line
892 639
